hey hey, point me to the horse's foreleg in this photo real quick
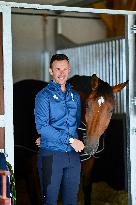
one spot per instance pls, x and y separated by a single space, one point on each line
87 180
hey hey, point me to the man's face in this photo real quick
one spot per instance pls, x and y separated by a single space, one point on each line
59 71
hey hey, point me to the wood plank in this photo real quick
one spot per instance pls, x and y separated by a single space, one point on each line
130 5
2 139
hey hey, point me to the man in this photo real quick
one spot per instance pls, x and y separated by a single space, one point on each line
57 117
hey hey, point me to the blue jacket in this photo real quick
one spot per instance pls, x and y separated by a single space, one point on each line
57 116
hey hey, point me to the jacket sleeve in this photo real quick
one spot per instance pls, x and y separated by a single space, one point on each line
43 126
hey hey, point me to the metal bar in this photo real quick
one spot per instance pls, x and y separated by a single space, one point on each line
117 75
123 72
100 60
114 61
131 110
81 61
90 60
99 64
77 62
107 64
56 15
2 123
96 60
103 62
121 100
65 8
113 70
8 84
93 59
110 62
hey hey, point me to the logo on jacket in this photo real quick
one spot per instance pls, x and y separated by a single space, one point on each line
55 97
72 96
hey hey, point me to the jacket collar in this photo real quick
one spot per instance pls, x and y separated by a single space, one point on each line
57 87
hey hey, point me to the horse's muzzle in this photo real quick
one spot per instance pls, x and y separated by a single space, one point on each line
91 148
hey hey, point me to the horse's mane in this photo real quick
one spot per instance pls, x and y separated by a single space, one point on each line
83 84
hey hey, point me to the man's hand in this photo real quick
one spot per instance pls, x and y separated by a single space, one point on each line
37 142
77 145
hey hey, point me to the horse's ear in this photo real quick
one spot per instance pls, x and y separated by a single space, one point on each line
94 82
119 87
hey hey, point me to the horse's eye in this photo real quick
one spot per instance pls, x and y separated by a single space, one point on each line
86 105
111 110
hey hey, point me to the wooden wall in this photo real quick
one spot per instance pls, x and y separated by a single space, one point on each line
115 24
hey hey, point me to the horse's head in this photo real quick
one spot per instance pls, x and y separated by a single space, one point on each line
100 104
97 107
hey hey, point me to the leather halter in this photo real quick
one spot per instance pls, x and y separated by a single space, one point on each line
88 153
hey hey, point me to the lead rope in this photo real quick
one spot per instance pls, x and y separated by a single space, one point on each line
26 148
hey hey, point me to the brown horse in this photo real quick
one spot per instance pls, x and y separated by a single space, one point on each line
97 107
97 102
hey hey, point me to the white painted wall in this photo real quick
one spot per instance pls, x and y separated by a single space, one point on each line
83 30
28 44
32 35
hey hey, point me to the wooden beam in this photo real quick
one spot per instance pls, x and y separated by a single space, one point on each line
130 5
118 5
115 23
107 19
2 140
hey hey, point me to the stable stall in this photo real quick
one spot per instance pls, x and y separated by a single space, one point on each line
126 62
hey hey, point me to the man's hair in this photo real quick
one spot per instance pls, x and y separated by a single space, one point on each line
58 57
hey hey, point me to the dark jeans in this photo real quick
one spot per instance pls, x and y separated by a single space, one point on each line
59 170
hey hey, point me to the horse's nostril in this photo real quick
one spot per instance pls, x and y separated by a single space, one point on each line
91 148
